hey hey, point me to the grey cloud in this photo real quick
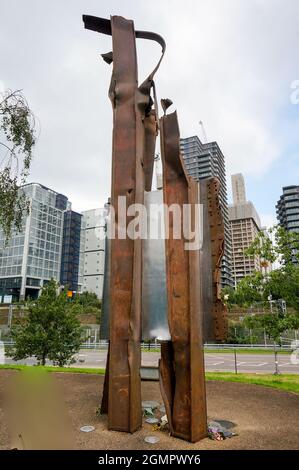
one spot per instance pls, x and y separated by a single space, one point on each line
229 63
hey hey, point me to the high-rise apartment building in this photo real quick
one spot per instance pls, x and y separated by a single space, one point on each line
92 257
245 224
34 255
238 189
204 160
287 208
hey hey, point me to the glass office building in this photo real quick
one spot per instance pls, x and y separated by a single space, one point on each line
71 250
34 255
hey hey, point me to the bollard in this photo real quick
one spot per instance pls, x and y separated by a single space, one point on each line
235 355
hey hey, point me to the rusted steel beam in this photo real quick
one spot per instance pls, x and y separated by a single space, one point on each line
125 262
215 312
182 361
124 387
133 139
216 223
206 274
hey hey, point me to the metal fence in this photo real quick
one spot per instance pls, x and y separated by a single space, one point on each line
103 344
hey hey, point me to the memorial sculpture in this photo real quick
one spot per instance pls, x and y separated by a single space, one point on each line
156 289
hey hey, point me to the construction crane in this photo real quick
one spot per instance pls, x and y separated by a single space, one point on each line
205 140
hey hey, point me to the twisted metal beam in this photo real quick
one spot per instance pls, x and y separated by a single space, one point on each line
134 132
182 359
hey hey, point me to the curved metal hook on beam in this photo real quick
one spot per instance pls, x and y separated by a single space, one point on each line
102 25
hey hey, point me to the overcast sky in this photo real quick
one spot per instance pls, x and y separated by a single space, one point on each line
229 63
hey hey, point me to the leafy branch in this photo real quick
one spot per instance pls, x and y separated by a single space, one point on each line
17 139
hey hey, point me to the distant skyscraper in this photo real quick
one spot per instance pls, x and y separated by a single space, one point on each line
245 224
238 189
203 161
71 250
287 208
34 255
92 256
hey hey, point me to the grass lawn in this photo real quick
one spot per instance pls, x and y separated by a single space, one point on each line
247 351
286 382
77 370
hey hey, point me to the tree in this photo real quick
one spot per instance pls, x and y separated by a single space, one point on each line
284 284
50 330
282 245
281 283
89 303
88 299
248 291
274 324
17 139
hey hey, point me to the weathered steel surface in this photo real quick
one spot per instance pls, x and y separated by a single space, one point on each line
215 312
182 362
125 255
134 121
206 274
219 310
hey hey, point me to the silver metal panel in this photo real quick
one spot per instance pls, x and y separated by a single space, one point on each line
154 296
154 300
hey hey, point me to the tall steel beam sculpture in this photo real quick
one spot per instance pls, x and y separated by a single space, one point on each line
189 307
182 358
134 133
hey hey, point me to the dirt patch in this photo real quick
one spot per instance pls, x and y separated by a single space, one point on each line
264 418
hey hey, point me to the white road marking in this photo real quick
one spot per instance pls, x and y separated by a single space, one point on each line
285 364
213 356
240 363
216 363
256 365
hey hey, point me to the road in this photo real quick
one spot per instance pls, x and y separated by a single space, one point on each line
222 362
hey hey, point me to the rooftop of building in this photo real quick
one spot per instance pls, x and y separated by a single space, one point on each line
244 211
290 187
43 187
